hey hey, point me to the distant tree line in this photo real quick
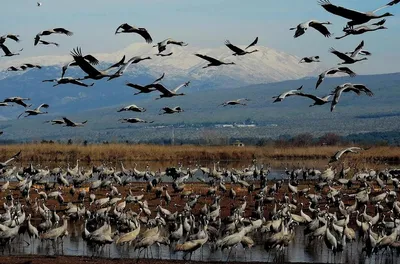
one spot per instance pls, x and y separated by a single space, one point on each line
213 138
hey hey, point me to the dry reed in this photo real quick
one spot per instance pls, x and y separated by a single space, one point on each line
124 152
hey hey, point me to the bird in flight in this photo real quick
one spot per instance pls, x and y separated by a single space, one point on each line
302 28
212 61
51 31
126 28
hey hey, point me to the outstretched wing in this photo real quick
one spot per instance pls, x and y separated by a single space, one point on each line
145 34
124 26
68 122
357 50
363 88
118 64
233 47
208 58
180 86
253 43
161 88
13 37
42 105
136 86
340 11
321 28
347 71
91 59
159 79
179 43
83 64
311 96
5 49
340 54
63 31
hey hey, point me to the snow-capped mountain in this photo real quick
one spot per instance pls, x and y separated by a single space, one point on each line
266 65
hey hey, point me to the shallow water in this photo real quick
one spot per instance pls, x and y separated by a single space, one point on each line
298 251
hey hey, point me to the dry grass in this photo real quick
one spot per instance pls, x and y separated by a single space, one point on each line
116 152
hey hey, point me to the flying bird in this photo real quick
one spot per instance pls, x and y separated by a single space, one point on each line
355 17
171 110
55 122
92 73
125 66
164 55
5 164
89 58
348 59
52 31
14 68
359 30
36 111
347 87
30 66
162 46
142 89
212 61
339 154
69 123
17 100
9 36
317 100
235 102
166 93
117 65
7 52
134 120
238 51
301 28
39 4
310 59
133 108
66 80
126 28
333 71
43 42
282 96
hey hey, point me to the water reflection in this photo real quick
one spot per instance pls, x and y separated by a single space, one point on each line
300 250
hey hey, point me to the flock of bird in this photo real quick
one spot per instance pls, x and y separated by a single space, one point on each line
226 209
88 62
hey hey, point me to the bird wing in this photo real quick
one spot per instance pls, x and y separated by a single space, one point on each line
143 32
379 23
341 55
37 38
336 97
394 2
159 79
340 11
363 88
13 157
13 37
136 86
357 50
65 67
252 44
180 86
83 64
91 59
161 88
125 66
321 28
233 47
63 31
68 122
179 43
124 26
5 49
311 96
348 71
208 58
118 64
42 105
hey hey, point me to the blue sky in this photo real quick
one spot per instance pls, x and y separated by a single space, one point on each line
205 23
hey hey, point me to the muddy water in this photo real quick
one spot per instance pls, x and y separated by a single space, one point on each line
300 250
